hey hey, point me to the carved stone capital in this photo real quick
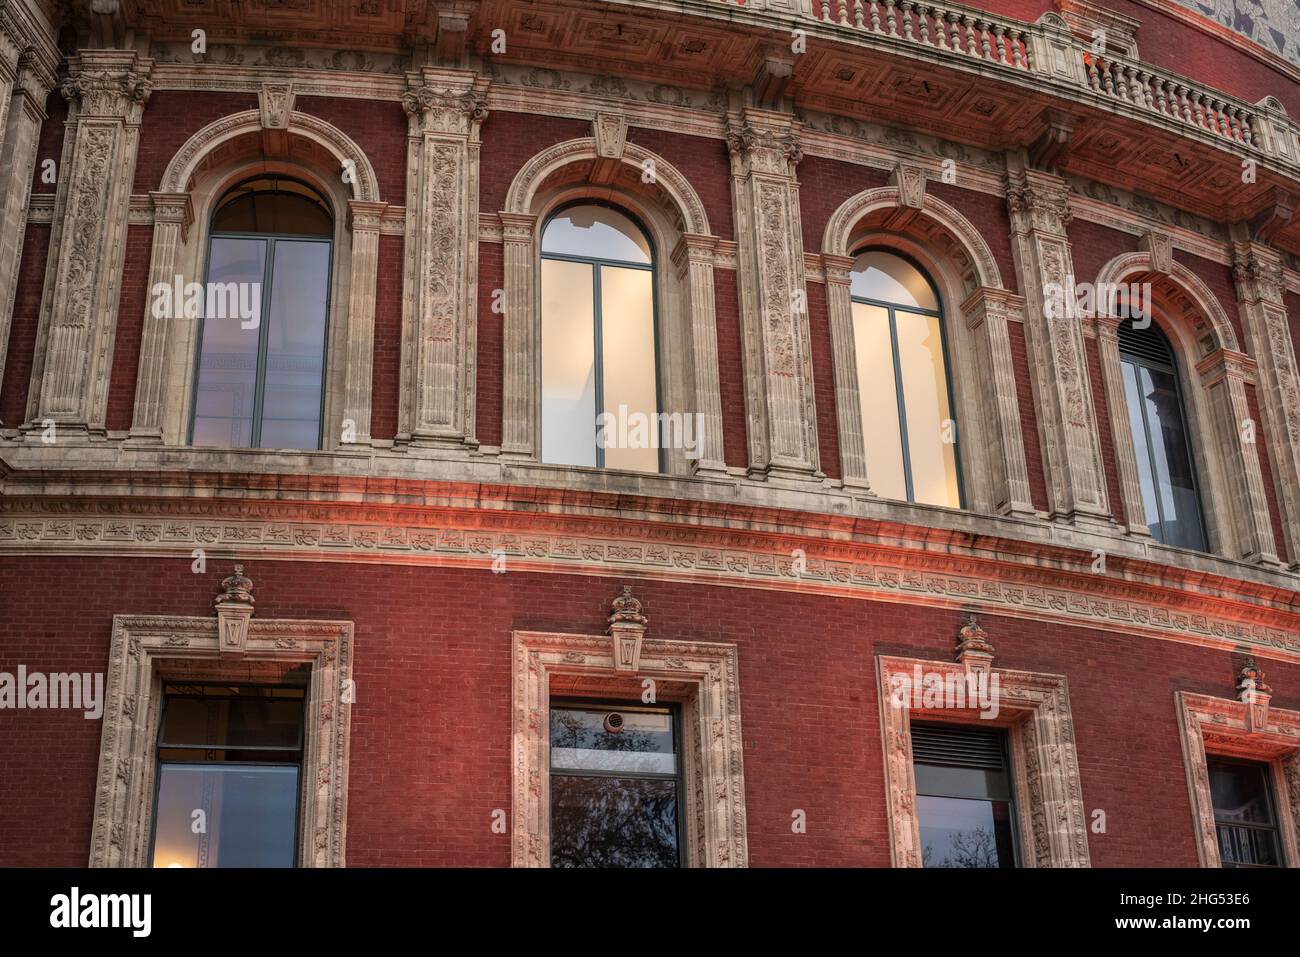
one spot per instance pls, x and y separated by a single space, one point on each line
838 269
1038 201
173 208
111 83
366 217
446 107
1257 272
765 142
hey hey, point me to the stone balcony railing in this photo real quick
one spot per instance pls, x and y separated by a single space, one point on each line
1047 52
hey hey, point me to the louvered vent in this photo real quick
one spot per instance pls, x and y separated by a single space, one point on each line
1145 345
957 747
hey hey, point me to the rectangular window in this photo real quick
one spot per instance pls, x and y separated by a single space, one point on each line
616 786
1244 818
964 801
228 782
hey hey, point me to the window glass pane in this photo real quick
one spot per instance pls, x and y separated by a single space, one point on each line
888 278
879 401
1240 793
613 822
597 232
963 833
581 741
1180 514
227 376
295 353
1141 448
979 783
273 206
233 721
251 815
568 364
627 332
925 399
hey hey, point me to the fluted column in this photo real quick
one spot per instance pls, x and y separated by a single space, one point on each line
24 112
1040 211
694 260
107 90
519 346
1257 271
779 401
439 322
364 222
848 394
172 215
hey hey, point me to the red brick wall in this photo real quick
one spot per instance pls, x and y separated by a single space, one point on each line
731 371
824 185
988 214
704 162
170 118
491 328
431 726
1219 279
378 127
386 373
509 141
132 301
22 330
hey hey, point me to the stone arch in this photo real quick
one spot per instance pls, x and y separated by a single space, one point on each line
970 252
243 133
977 308
1214 374
1207 320
548 167
612 169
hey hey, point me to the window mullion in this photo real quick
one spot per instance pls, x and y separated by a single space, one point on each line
1151 452
263 341
902 407
597 360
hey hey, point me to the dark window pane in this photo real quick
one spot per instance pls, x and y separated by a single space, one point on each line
1179 512
250 816
613 822
273 206
1240 793
295 351
227 378
965 833
580 741
234 722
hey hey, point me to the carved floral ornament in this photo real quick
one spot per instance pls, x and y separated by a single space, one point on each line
449 104
106 91
744 138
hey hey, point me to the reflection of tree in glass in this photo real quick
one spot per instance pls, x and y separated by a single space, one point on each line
613 822
568 731
973 848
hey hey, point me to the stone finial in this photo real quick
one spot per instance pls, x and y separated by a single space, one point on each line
627 627
234 611
974 650
1255 695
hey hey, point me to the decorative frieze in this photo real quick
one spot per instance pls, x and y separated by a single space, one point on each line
439 324
1040 211
782 432
107 91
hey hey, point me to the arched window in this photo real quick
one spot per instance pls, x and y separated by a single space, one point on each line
260 379
1158 421
909 433
600 383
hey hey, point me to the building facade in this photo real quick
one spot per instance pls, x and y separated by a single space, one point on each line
701 433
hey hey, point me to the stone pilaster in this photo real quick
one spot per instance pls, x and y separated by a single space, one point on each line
693 258
779 402
1040 211
365 219
518 345
107 90
1224 374
172 215
439 335
1257 271
848 395
1121 428
987 313
25 85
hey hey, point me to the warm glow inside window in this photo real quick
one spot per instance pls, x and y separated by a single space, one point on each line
908 427
600 385
260 380
229 769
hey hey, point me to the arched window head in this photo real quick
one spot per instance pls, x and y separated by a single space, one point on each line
1158 421
600 382
260 379
909 433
